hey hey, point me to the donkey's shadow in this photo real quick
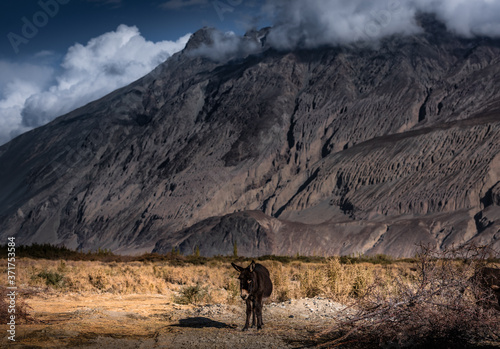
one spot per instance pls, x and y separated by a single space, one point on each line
201 322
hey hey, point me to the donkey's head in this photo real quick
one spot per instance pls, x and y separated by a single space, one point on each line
248 279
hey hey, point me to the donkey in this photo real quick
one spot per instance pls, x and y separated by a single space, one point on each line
255 284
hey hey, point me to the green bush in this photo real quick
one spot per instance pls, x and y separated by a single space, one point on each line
52 278
191 294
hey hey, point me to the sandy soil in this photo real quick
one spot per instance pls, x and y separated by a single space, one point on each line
153 321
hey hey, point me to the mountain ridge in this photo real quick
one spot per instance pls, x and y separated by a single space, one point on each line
323 142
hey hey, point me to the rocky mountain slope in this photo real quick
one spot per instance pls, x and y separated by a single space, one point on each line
328 151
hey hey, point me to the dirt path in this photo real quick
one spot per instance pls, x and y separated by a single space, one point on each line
153 321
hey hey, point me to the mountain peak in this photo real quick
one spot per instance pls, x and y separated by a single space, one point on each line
258 35
203 36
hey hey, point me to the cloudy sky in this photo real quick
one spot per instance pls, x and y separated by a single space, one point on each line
57 55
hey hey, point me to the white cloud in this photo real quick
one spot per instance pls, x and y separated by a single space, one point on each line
225 45
467 18
314 23
31 95
44 54
34 95
17 83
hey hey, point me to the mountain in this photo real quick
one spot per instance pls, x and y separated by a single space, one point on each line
334 150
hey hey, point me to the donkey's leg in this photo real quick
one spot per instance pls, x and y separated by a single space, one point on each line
258 310
254 315
249 312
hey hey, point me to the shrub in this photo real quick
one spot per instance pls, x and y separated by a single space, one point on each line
281 284
191 294
434 310
52 278
98 281
360 283
345 280
62 267
233 291
312 282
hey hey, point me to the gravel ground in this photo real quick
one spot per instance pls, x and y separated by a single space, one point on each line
153 321
290 324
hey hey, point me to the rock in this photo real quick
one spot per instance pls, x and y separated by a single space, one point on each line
328 151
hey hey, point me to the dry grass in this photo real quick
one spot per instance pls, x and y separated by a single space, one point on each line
398 302
22 309
215 282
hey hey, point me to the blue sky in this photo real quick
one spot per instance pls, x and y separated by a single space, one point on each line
57 55
71 21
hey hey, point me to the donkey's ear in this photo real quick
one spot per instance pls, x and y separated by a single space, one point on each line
252 266
238 268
